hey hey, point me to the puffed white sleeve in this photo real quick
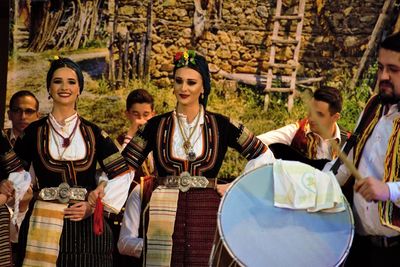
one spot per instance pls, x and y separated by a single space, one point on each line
129 242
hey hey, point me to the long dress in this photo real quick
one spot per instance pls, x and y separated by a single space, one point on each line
41 147
196 213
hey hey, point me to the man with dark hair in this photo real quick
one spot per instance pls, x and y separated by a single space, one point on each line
139 109
23 109
375 153
306 136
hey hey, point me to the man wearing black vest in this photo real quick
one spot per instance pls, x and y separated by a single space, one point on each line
305 138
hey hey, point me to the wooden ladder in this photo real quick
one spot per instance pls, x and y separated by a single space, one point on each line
291 65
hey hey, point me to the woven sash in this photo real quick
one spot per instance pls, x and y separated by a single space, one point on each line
5 246
388 210
162 214
45 228
389 213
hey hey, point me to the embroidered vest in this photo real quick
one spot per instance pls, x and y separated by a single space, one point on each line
307 143
389 213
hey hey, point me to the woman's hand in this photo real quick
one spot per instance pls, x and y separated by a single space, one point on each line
221 188
78 211
97 193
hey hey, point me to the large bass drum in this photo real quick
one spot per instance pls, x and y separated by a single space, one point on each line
252 232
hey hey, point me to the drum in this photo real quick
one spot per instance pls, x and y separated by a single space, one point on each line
252 232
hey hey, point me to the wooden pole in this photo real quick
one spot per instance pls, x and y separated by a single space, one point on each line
149 22
4 32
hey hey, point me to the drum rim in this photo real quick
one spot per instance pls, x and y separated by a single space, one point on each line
237 260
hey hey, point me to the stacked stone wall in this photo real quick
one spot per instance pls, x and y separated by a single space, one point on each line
237 34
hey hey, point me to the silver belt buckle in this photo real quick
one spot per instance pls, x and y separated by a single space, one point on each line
63 193
185 181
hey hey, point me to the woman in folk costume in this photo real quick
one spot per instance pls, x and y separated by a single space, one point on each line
177 211
63 149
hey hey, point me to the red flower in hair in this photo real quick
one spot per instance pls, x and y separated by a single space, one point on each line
184 58
178 56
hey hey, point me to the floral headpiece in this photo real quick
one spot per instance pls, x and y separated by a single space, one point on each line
53 58
184 58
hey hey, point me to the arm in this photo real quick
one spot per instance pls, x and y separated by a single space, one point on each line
129 243
110 160
138 148
282 135
249 146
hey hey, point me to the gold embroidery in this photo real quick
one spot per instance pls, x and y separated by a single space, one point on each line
112 158
244 136
139 141
245 133
104 134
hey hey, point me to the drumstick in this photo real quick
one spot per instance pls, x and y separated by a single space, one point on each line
343 157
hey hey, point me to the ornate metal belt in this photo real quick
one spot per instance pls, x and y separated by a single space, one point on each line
63 193
185 181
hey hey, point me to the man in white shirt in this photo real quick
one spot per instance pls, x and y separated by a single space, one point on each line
376 199
305 136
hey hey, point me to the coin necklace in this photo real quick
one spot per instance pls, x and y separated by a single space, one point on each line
187 146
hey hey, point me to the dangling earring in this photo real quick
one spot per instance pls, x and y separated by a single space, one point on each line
49 97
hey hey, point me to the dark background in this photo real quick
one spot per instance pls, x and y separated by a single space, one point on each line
4 24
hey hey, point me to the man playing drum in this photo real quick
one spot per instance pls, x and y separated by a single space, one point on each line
376 199
305 136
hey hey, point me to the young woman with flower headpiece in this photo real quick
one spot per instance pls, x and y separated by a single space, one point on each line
63 149
179 207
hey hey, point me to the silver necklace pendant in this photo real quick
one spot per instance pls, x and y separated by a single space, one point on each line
191 155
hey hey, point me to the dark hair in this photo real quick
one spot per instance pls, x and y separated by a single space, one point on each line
392 42
198 63
331 96
139 96
63 62
20 94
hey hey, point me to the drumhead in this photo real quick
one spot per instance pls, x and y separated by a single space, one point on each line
256 233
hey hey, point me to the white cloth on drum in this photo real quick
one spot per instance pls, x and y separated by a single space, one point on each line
300 186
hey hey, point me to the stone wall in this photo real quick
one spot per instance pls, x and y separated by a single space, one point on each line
237 34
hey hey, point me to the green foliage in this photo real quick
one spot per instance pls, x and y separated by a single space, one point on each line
106 112
355 100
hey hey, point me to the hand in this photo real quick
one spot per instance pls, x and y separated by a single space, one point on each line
135 126
78 211
7 188
97 193
221 188
24 203
3 199
372 189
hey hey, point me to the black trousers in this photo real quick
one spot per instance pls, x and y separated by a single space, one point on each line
364 253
